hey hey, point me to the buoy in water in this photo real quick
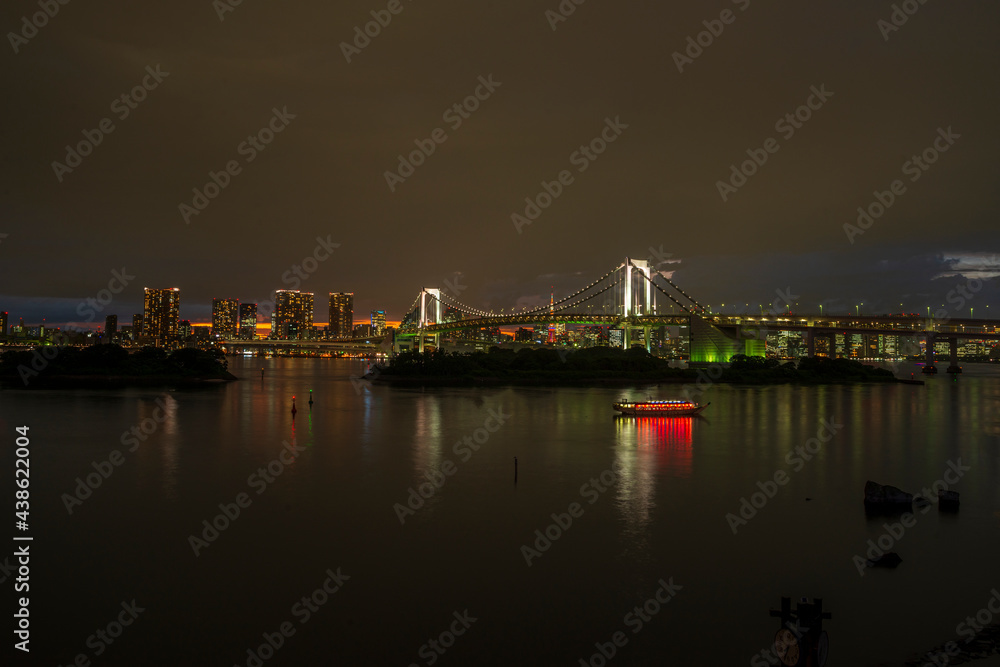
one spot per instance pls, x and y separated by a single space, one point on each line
294 410
310 397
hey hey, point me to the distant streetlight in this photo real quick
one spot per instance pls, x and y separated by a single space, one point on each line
820 309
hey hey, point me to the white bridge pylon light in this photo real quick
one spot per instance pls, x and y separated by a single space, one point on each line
435 298
629 305
625 299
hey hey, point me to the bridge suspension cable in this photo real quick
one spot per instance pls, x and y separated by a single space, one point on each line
671 283
590 296
571 296
464 308
663 291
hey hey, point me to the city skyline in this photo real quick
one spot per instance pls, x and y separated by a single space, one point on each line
816 211
948 289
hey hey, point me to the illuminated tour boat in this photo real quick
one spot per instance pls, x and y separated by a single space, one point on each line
659 408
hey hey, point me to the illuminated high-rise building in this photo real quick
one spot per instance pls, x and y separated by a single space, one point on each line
248 321
341 314
378 322
225 317
110 328
160 311
184 329
136 326
3 324
293 314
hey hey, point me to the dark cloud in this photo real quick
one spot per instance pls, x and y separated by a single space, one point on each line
656 184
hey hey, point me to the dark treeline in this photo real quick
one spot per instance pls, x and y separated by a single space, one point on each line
604 363
111 361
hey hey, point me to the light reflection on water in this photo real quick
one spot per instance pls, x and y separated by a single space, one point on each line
333 505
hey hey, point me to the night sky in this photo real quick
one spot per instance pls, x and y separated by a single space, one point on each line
608 64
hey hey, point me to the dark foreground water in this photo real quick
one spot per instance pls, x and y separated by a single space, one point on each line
330 508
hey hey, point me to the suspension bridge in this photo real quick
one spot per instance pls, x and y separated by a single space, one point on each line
635 298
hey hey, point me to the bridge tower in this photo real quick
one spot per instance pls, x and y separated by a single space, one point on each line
428 312
636 297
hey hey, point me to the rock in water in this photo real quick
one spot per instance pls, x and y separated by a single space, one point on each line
883 494
890 560
948 500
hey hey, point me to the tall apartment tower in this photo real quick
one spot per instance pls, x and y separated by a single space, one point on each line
136 326
293 314
341 314
110 328
160 311
248 321
225 317
378 322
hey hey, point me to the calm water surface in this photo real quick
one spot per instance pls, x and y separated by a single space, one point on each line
361 451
